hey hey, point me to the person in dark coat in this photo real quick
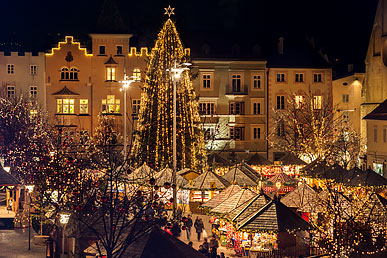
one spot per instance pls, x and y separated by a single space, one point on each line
188 225
214 244
199 226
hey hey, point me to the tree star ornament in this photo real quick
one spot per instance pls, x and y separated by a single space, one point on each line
169 11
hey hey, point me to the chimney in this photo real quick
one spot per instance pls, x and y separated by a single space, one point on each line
281 45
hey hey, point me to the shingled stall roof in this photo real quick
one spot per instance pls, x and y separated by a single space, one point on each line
142 174
379 113
234 201
207 181
222 196
245 210
157 243
274 216
166 176
291 159
218 160
368 178
258 160
321 170
282 178
6 179
255 175
240 177
303 198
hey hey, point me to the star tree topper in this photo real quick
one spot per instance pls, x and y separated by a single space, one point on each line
169 11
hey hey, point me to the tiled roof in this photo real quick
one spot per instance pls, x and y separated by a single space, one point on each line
379 113
142 174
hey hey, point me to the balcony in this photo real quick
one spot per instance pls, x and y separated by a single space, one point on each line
234 91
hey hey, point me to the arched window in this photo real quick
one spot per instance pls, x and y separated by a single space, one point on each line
73 73
64 74
137 74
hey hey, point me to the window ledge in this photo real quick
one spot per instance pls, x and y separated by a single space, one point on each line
110 81
119 55
83 115
69 80
111 114
102 55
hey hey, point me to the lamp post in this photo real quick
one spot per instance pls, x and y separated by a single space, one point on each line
63 219
176 71
30 189
125 85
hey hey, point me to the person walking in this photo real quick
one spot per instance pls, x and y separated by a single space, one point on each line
188 225
214 244
199 226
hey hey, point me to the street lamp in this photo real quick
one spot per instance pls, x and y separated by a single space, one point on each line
30 189
176 71
278 185
125 85
63 219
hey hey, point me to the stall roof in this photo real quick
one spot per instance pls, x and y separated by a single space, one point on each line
217 159
358 177
207 181
252 172
321 170
274 216
303 198
142 174
281 177
258 160
222 196
234 201
158 243
291 159
166 176
240 176
6 179
243 211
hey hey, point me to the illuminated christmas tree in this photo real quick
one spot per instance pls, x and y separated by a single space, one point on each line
155 131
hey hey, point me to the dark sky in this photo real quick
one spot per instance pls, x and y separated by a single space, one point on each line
342 27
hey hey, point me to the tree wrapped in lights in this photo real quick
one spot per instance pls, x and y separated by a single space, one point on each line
154 139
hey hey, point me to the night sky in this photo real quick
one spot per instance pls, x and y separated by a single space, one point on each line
341 27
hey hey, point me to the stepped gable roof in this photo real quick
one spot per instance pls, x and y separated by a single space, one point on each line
241 177
281 177
207 181
243 211
234 201
155 242
379 113
66 92
291 159
258 160
303 198
111 60
142 174
6 179
358 177
274 216
217 159
166 176
222 196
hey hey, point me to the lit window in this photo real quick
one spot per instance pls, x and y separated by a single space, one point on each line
299 100
207 108
84 106
345 98
280 77
257 81
256 133
111 104
11 69
10 91
33 69
102 50
137 74
280 102
33 91
237 133
299 77
64 74
256 108
237 108
317 77
136 106
206 81
119 50
110 73
317 102
65 106
236 82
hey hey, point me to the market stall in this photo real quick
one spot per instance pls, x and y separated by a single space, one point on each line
281 183
243 177
291 165
221 197
142 175
9 191
232 202
188 173
218 164
260 164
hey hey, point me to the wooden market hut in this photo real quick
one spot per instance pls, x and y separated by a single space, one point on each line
286 183
258 160
320 170
142 175
234 201
365 178
218 164
165 176
10 184
289 159
251 171
188 173
221 197
242 177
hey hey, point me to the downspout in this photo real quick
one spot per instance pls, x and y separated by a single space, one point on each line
267 112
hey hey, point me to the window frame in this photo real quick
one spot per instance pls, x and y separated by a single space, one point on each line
237 105
60 106
321 77
136 106
136 73
33 92
99 50
345 98
210 104
10 69
238 77
285 79
114 105
33 69
112 75
11 91
241 133
208 80
82 107
280 105
257 132
117 52
259 80
317 102
301 77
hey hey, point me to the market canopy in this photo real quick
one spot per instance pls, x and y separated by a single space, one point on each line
367 178
234 201
291 159
142 174
207 181
215 158
166 176
222 196
6 179
241 177
274 216
303 198
158 243
258 160
245 210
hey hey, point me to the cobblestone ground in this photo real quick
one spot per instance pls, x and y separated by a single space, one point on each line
14 244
